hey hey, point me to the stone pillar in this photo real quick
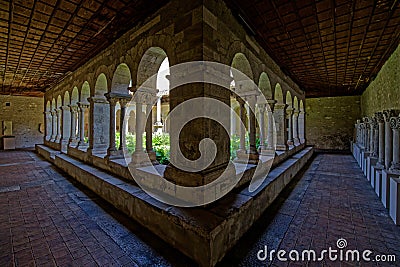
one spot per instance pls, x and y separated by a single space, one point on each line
123 124
53 126
66 127
112 151
381 139
261 108
99 125
242 136
296 139
59 133
280 125
252 99
73 140
387 114
374 137
158 124
270 134
48 118
149 133
395 125
82 108
301 127
289 114
367 134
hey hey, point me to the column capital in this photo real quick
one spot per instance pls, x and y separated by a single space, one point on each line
374 123
65 108
395 123
123 102
387 114
83 105
379 117
47 112
280 106
73 108
262 107
97 99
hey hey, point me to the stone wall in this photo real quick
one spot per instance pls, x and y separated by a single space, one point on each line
330 121
384 92
26 114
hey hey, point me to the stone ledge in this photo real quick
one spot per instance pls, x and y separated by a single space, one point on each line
47 152
211 230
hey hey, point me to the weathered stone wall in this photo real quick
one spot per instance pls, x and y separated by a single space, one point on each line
384 92
26 114
330 121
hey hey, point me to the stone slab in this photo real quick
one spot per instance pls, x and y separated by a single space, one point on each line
394 206
386 177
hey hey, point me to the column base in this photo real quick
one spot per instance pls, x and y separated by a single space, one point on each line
141 159
296 141
378 183
58 139
282 147
64 146
246 157
83 146
394 206
114 154
370 162
267 152
386 176
73 143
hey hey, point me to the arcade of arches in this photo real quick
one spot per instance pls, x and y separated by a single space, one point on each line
113 113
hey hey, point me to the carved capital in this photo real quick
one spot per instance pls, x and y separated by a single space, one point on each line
73 108
83 105
387 114
379 117
395 123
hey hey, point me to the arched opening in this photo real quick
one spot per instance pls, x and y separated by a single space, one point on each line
58 120
121 79
289 118
84 116
278 94
241 138
151 125
264 85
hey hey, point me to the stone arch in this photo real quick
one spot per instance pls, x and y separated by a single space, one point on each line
289 100
59 101
74 96
264 85
85 92
242 64
100 87
149 65
278 94
67 99
295 103
121 79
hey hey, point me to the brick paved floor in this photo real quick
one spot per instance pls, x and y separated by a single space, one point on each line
331 200
46 219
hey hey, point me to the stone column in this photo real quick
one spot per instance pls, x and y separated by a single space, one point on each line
387 114
301 127
66 127
59 133
296 139
158 124
54 126
242 143
395 125
82 108
374 137
149 132
73 141
381 138
289 114
252 99
123 124
280 125
112 150
367 134
270 135
261 108
48 125
99 125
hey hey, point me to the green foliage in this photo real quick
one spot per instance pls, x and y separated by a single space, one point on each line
161 145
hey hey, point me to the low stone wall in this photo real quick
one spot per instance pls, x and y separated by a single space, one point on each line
204 233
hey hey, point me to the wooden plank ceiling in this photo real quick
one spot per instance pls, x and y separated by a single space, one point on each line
328 47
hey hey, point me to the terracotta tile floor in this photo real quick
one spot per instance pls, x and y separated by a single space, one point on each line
46 219
331 200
